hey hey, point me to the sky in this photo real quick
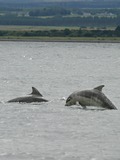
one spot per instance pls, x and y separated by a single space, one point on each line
47 0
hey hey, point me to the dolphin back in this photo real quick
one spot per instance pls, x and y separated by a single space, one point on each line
28 99
35 96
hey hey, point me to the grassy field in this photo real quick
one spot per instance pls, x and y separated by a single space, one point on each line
27 28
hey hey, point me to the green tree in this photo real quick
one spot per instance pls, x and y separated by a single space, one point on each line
67 31
117 31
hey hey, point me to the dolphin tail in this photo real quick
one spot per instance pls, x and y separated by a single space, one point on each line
109 105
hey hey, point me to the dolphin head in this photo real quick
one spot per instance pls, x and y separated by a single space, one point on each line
70 101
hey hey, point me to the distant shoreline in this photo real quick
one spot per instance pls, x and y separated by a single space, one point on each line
63 39
80 41
55 34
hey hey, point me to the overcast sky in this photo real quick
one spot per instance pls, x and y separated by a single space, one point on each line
50 0
42 0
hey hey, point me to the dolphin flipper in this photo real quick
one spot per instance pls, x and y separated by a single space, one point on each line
82 105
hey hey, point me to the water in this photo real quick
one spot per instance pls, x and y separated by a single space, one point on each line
52 131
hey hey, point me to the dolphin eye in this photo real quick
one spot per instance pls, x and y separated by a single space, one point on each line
68 99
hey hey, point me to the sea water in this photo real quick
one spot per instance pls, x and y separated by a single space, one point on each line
53 131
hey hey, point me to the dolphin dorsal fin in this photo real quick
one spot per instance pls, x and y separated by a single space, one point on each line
99 88
36 92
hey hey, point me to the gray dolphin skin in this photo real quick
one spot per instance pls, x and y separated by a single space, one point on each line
35 96
94 97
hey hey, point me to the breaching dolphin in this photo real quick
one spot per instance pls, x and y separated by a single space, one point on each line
35 96
94 97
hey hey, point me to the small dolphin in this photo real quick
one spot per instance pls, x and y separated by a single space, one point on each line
94 97
35 96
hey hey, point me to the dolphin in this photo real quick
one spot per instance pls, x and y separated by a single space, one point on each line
94 97
35 96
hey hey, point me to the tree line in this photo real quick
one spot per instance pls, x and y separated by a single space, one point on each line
64 33
51 11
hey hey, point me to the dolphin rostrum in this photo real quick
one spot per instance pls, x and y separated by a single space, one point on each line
94 97
35 96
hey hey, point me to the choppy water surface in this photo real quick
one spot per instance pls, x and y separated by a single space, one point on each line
52 131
